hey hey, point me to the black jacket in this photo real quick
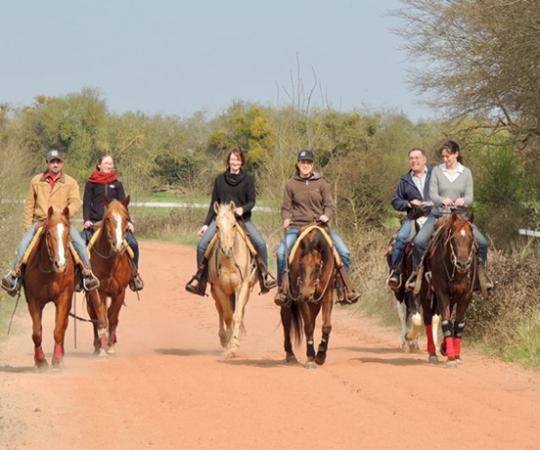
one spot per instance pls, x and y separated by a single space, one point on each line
238 188
94 193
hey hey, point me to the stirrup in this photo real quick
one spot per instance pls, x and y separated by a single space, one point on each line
11 288
199 289
136 283
411 282
391 282
90 282
281 298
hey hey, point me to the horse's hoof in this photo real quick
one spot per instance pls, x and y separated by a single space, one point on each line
57 364
101 353
291 359
459 360
432 359
452 364
310 365
111 351
320 358
230 354
41 366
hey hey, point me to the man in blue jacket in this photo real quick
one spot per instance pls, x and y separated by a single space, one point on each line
412 191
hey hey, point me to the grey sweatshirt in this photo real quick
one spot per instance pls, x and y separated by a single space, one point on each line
440 187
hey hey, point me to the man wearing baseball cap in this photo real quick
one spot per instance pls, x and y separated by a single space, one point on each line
50 188
307 196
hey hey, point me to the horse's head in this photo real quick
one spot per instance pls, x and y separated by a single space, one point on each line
314 253
115 222
461 242
225 225
56 233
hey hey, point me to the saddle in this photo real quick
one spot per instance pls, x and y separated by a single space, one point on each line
243 235
308 230
35 241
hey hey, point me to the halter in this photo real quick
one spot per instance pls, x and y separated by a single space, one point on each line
465 270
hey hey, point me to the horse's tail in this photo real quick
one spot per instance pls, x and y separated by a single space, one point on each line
295 330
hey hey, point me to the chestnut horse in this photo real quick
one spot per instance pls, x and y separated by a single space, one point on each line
310 285
232 272
49 276
452 261
113 267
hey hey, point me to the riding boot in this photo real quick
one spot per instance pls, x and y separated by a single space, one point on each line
89 280
136 283
197 284
349 294
266 280
394 279
11 282
483 282
281 297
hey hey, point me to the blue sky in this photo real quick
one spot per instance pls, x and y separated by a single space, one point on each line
179 57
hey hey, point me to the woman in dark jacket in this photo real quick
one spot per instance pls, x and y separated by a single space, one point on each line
232 185
103 183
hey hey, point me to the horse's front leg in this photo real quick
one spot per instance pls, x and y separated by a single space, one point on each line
327 304
459 324
97 312
447 347
113 314
286 321
415 320
36 312
242 297
223 307
309 312
63 306
428 324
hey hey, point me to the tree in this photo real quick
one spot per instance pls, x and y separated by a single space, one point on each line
479 57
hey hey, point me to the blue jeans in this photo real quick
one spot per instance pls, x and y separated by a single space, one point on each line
87 233
400 243
254 235
421 241
292 235
74 235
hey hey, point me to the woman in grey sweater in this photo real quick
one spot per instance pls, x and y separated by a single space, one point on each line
451 186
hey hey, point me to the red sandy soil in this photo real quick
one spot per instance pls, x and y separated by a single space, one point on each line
169 385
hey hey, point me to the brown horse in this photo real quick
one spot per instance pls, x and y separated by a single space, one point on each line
310 280
452 261
49 276
113 267
232 272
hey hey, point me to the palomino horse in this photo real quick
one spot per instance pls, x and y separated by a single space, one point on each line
310 286
452 261
232 273
113 267
49 276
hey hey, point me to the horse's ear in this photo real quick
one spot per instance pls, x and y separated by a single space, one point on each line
216 207
471 218
65 212
50 211
106 200
453 217
126 201
232 205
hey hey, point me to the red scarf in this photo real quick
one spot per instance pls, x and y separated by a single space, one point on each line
102 178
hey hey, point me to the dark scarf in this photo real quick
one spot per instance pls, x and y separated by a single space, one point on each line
102 178
234 179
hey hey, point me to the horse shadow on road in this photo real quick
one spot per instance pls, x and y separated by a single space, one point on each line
261 363
17 369
393 361
186 352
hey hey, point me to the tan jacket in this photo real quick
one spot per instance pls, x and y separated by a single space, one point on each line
307 199
41 196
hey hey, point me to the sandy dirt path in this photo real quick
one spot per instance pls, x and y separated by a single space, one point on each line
170 387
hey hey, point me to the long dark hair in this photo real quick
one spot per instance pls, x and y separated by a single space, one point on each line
452 147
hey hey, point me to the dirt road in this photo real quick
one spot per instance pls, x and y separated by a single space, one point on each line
169 386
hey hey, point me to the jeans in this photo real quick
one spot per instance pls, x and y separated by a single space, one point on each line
400 243
292 235
87 233
75 238
421 241
254 235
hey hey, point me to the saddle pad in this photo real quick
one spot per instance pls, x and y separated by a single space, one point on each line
243 235
33 243
304 233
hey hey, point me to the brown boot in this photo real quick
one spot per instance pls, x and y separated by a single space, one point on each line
347 294
197 284
266 280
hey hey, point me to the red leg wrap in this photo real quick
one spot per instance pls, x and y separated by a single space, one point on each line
38 354
450 351
457 346
58 353
430 343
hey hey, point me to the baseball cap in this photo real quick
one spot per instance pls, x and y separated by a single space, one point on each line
305 155
54 154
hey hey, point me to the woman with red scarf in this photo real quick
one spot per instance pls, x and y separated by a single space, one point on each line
103 183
